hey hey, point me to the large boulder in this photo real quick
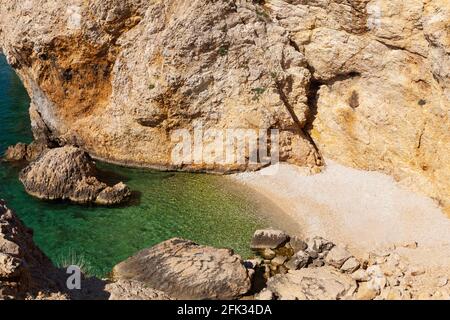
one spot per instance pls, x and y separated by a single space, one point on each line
68 173
185 270
325 283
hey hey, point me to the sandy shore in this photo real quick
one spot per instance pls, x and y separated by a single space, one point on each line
364 210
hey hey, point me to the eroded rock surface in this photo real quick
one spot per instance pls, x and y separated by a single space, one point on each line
325 283
68 173
368 79
157 67
268 239
133 290
381 84
24 269
185 270
24 152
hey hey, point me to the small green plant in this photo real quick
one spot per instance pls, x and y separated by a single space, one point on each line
258 92
223 50
151 86
71 258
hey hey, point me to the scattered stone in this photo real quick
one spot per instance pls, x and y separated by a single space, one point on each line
9 266
410 245
361 275
337 257
185 270
375 271
297 244
265 295
442 281
68 173
397 294
366 292
351 265
324 283
285 251
377 283
298 261
376 258
313 254
393 282
283 269
377 279
268 254
441 294
318 245
268 239
424 296
382 253
416 271
317 263
278 261
133 290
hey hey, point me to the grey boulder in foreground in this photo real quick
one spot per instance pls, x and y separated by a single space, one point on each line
185 270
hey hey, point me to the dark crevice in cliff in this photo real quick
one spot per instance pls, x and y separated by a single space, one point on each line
396 48
313 93
45 134
340 77
313 89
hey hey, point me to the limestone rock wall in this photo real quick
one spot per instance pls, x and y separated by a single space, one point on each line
117 78
364 82
381 71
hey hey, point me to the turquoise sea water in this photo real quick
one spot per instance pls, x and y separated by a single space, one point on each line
208 209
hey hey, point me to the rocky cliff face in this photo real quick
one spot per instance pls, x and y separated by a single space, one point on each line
24 270
364 82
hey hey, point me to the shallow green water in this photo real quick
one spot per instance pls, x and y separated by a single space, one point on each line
208 209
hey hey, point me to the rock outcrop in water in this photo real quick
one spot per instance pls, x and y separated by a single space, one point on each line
367 79
24 269
185 270
68 173
24 152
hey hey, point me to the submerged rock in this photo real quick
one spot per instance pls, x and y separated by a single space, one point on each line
68 173
24 152
17 152
113 195
186 270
